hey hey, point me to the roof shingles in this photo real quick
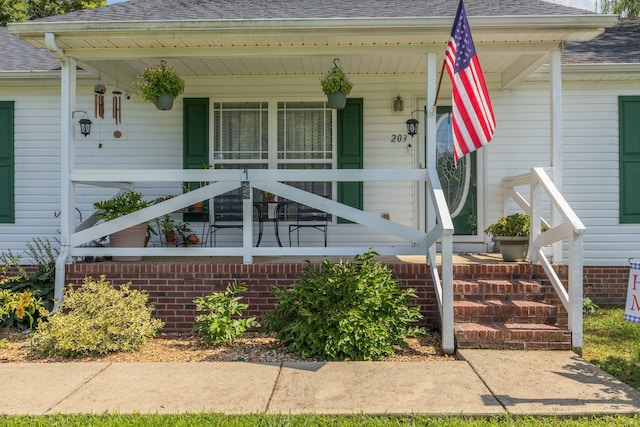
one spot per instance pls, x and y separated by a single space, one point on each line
174 10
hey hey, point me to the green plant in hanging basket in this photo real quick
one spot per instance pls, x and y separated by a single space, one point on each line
335 80
157 80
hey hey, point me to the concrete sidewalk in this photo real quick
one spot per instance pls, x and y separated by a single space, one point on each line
484 382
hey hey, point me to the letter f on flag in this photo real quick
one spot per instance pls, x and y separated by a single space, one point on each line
473 122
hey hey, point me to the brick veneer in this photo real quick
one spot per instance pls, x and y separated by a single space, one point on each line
172 287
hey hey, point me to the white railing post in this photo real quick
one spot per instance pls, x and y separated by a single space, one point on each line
576 291
448 341
535 217
247 222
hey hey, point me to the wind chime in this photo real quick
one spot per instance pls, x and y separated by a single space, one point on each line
98 101
117 111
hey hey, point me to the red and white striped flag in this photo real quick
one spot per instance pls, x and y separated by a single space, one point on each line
472 116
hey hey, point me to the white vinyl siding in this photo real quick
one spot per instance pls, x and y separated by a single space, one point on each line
152 139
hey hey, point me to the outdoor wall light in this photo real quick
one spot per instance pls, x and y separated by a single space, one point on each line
85 123
412 126
398 104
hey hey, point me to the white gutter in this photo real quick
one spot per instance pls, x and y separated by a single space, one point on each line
401 24
67 101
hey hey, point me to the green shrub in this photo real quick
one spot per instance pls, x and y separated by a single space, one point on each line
97 318
39 284
222 323
350 310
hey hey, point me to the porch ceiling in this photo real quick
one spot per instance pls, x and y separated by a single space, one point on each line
510 47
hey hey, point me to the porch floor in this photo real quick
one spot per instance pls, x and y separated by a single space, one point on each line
458 258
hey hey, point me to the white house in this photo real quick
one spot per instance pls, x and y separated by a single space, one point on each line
565 95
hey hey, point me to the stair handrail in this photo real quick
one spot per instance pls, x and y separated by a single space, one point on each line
570 228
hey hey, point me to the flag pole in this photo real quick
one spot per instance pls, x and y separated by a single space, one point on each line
435 101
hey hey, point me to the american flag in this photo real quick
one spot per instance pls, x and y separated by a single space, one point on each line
472 116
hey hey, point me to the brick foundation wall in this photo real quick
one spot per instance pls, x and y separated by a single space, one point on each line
606 285
172 287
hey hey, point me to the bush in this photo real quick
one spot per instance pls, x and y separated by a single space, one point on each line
350 310
39 284
218 326
97 318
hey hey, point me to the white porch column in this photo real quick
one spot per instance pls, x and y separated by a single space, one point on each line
430 124
556 139
67 202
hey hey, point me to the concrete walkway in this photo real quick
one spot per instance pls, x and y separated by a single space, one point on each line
483 382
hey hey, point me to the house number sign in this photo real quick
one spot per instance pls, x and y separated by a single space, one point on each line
399 138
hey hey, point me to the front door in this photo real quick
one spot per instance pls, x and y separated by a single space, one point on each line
459 183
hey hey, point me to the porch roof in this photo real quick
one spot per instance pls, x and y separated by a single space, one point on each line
285 37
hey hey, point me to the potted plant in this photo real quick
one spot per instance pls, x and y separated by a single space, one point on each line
168 229
186 234
132 237
512 233
159 84
336 85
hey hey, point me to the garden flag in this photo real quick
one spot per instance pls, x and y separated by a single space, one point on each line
632 309
472 116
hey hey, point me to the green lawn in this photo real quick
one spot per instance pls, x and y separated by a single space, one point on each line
610 342
312 421
613 344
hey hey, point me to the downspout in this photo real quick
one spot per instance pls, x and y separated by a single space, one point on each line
67 103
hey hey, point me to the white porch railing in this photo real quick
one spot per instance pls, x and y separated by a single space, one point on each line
570 229
222 181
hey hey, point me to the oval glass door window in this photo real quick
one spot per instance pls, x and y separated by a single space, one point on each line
458 183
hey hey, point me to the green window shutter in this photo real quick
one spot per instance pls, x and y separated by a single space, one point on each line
350 152
195 146
7 195
629 152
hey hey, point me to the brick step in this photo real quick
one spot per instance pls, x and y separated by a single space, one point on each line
512 336
479 290
490 311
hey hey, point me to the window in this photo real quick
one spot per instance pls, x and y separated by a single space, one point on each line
241 133
282 135
303 138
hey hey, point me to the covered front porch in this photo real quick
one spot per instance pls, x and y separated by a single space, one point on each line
272 62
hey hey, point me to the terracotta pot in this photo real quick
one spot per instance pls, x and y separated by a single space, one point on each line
197 207
170 238
132 237
193 239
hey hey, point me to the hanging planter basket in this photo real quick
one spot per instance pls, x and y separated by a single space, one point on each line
336 100
336 85
164 101
159 84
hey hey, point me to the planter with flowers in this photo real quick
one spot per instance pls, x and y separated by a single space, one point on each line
159 84
132 237
336 85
